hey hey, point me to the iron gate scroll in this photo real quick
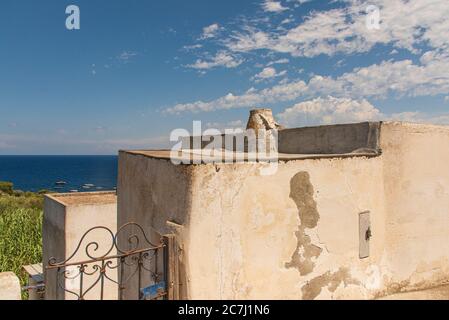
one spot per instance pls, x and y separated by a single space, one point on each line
124 265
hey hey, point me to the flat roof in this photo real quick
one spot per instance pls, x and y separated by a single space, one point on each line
366 149
84 198
188 155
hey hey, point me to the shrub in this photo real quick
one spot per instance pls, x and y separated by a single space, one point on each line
20 231
33 201
19 193
7 187
20 240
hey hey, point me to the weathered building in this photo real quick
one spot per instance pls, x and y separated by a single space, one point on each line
353 211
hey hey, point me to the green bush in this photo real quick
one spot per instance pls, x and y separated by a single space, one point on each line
6 187
20 233
27 201
21 239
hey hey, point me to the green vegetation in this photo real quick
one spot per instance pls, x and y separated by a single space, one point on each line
20 229
6 187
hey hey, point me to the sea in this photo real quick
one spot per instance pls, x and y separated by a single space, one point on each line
60 173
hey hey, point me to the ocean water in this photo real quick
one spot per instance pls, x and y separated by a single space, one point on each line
34 173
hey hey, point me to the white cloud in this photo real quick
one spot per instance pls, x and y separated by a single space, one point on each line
411 25
210 31
420 117
408 116
287 20
251 98
404 24
273 6
280 61
250 40
268 73
192 47
332 110
221 59
236 124
126 56
328 110
400 78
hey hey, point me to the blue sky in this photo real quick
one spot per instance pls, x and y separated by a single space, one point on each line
138 69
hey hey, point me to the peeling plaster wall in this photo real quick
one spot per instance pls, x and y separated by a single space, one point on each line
295 234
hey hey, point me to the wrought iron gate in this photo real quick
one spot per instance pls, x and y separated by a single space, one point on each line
124 265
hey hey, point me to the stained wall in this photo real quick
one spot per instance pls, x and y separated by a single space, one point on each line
295 234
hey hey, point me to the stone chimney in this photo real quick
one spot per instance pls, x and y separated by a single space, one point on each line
262 119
